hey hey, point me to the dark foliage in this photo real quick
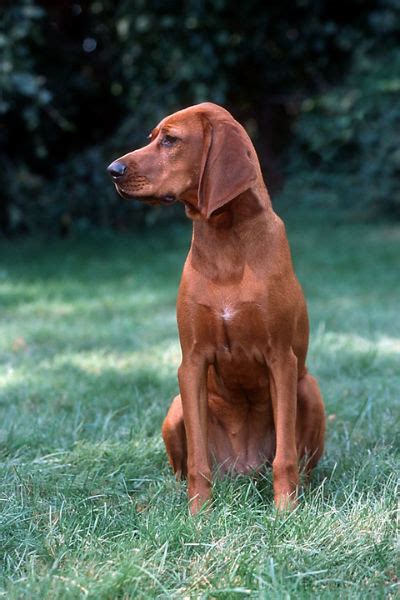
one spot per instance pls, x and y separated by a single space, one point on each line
350 136
82 82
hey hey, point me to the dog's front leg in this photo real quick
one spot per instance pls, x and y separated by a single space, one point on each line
283 377
192 377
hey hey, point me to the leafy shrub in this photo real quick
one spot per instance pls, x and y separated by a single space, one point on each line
82 83
350 135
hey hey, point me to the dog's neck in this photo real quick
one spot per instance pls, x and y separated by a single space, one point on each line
236 235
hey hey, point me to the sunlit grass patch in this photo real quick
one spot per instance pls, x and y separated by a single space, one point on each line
88 505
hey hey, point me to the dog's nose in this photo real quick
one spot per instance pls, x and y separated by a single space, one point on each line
116 169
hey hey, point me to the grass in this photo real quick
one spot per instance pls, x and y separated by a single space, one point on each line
89 352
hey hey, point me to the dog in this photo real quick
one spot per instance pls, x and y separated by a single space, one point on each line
246 398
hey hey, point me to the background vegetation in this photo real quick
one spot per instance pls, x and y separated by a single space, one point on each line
315 82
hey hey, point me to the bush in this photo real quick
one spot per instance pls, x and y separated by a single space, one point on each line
83 82
350 135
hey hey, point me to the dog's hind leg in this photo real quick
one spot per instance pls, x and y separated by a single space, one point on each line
310 424
174 435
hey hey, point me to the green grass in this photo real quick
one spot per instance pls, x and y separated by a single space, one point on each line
89 352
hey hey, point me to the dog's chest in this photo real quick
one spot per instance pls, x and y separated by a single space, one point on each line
227 313
242 320
239 336
231 318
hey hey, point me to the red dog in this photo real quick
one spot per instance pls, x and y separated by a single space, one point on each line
246 396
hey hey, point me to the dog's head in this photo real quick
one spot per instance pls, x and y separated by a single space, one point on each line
199 155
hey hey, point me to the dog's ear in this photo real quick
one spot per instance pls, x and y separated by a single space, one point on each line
227 167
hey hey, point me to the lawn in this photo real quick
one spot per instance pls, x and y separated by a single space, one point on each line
89 352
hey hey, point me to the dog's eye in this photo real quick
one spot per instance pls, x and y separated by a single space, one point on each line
168 140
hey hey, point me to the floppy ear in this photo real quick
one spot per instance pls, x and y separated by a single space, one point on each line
227 168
